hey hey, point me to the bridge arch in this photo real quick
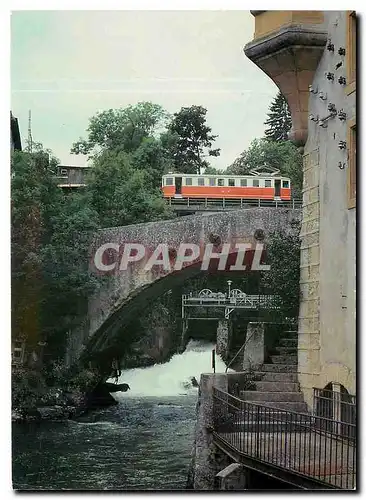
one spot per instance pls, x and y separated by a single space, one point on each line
121 292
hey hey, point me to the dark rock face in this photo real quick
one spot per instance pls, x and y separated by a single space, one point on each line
116 387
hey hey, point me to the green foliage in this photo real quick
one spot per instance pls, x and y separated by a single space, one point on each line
121 129
193 140
50 240
214 171
27 387
283 278
282 155
152 157
122 195
279 119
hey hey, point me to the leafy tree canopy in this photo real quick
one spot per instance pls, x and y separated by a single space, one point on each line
50 240
282 155
122 194
123 128
193 140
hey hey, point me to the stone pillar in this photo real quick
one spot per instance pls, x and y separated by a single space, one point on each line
184 333
308 330
204 466
222 338
254 350
234 477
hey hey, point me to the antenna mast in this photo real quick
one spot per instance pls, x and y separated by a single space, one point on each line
30 140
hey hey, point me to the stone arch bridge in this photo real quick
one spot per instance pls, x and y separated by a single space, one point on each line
123 258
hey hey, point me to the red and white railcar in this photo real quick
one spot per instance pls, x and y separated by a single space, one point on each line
248 187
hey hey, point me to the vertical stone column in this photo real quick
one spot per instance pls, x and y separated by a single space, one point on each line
254 350
308 331
222 338
233 478
204 466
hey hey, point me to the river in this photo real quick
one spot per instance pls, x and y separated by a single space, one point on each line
143 443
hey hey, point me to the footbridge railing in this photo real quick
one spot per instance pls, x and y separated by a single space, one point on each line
223 204
304 445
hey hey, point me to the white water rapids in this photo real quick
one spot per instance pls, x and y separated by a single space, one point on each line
174 377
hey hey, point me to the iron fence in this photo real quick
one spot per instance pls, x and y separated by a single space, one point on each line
295 442
227 203
339 409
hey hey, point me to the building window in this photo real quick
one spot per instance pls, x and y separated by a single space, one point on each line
256 183
201 181
188 181
169 181
267 183
231 182
221 182
285 184
351 52
351 164
243 182
212 181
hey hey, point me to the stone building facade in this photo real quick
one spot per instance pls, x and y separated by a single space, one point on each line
311 56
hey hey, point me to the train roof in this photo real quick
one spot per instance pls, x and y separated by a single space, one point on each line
250 176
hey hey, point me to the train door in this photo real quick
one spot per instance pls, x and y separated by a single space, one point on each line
277 188
178 186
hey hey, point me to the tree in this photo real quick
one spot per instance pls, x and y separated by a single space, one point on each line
123 128
279 119
214 171
50 242
193 140
122 195
153 158
282 155
283 278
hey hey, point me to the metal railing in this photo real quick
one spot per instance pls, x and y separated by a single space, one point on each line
338 407
298 443
227 203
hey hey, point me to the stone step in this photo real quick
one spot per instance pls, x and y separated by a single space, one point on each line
271 396
298 406
286 350
283 359
270 367
277 377
288 342
290 334
276 386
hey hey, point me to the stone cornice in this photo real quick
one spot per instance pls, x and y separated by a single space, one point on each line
257 12
286 37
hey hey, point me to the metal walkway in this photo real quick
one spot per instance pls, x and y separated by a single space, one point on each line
308 451
234 299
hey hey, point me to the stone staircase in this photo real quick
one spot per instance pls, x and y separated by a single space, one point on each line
276 385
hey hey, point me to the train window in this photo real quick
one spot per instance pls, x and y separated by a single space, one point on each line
221 182
212 181
285 184
256 183
188 181
201 181
231 182
169 181
243 182
267 183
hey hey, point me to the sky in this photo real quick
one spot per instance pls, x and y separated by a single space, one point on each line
67 65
